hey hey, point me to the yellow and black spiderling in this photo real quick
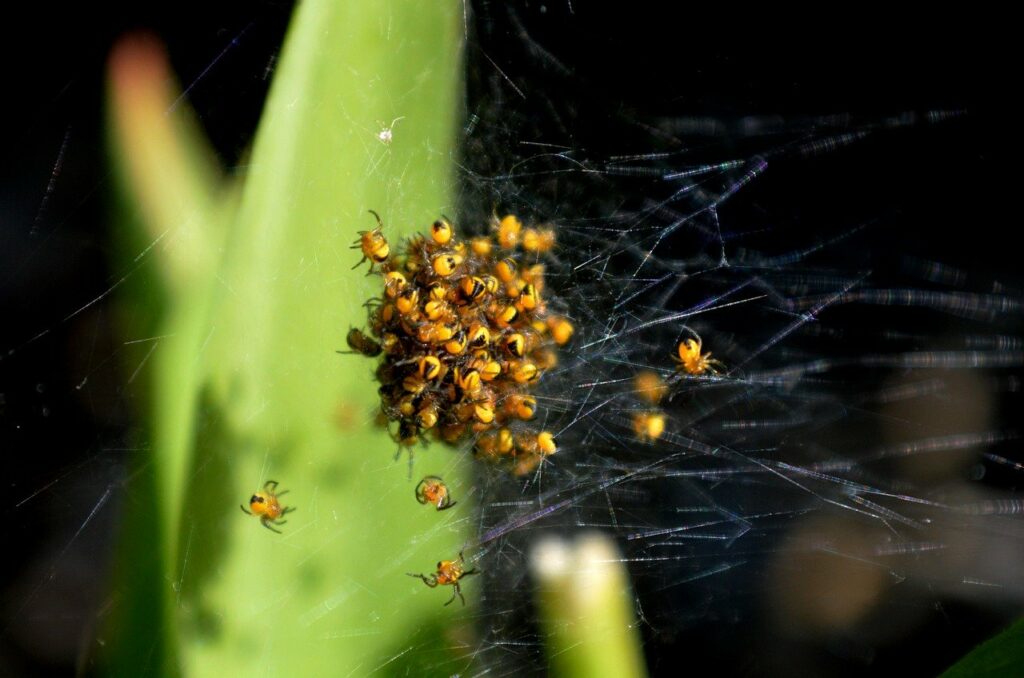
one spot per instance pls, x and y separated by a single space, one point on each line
266 505
373 244
464 335
441 231
449 573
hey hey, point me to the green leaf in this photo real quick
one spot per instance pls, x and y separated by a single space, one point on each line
252 296
1002 655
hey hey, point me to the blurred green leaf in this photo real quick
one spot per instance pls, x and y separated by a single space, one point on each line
1002 655
251 299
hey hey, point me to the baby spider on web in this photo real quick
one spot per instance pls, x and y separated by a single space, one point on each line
373 244
449 572
692 361
648 426
265 504
432 490
386 133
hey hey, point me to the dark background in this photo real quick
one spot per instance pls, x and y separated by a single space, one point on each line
588 80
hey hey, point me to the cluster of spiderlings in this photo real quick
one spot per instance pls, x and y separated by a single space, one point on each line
465 335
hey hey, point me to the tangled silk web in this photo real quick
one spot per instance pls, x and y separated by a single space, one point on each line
811 463
820 486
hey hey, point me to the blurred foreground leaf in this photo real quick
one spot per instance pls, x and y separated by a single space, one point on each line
999 656
242 294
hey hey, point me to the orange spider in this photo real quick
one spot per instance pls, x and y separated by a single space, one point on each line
373 245
648 426
265 504
449 572
691 360
650 387
432 490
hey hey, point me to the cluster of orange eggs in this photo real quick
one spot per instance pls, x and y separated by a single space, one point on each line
465 336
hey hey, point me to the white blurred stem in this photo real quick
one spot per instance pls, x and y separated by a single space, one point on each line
586 608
